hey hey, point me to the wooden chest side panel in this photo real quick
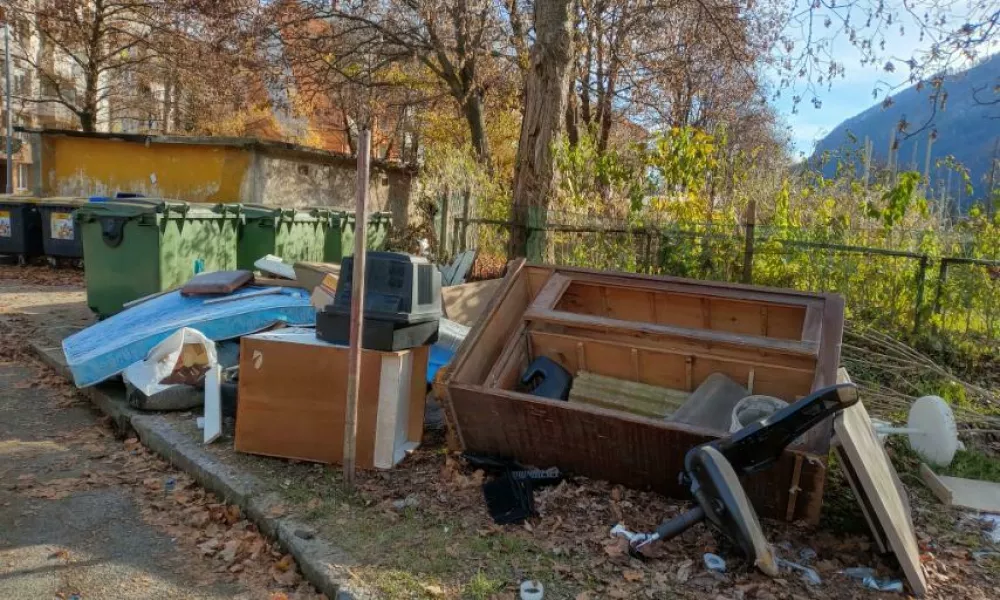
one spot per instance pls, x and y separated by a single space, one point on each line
620 448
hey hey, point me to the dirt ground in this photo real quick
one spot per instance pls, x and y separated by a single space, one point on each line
422 531
86 516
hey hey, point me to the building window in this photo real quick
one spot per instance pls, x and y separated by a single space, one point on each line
22 176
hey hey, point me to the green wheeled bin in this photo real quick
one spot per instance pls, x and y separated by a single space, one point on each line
340 235
60 235
20 227
293 234
141 246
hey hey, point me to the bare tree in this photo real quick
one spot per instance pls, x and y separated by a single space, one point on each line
450 41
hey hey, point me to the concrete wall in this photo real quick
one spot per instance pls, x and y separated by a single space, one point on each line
80 166
297 181
77 166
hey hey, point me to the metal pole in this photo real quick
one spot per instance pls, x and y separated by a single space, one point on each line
357 307
10 114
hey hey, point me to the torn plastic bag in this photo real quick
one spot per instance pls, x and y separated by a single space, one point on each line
170 376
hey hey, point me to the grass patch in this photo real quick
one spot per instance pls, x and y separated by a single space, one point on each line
971 464
481 587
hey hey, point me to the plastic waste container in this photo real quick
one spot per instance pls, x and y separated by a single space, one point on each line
292 234
141 246
340 235
20 227
60 238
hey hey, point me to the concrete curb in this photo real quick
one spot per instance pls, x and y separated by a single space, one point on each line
322 564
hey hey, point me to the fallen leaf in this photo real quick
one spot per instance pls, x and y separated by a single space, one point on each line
683 572
434 590
277 510
230 550
286 562
632 575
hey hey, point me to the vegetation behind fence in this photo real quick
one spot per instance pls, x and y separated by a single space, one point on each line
911 283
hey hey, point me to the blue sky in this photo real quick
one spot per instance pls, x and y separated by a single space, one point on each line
849 95
852 93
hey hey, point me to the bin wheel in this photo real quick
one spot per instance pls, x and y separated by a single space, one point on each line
53 261
22 260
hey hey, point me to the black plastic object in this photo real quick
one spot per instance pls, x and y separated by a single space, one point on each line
376 334
20 228
713 470
509 500
402 303
547 378
398 287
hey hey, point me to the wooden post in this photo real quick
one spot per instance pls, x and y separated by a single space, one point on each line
751 223
357 307
465 219
443 239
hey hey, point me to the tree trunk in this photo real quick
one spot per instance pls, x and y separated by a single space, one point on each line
544 114
472 107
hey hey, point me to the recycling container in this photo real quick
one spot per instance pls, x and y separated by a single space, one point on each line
290 233
20 227
60 238
340 234
141 246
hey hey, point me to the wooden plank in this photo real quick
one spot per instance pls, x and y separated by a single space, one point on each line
982 496
752 293
477 354
466 303
510 355
749 357
811 329
615 446
876 478
551 292
644 329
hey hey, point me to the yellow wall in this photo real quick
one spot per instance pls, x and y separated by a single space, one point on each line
95 167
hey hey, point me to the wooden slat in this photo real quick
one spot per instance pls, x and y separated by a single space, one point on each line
477 353
876 479
549 295
641 329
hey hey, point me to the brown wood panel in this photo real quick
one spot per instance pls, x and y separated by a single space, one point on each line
682 310
758 318
292 405
697 287
466 303
617 447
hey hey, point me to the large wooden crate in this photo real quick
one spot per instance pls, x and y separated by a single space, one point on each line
663 331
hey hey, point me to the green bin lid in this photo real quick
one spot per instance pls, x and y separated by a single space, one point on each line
136 207
261 211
